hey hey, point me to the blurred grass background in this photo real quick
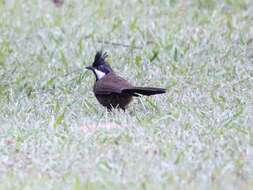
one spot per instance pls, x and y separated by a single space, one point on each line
55 135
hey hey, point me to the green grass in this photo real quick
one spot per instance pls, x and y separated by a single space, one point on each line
55 135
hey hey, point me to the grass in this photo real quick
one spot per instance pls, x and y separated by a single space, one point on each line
55 135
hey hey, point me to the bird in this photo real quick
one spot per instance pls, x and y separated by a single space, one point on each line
113 91
58 3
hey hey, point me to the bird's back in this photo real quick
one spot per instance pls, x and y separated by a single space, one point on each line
111 83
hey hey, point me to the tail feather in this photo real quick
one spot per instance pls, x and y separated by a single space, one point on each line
148 91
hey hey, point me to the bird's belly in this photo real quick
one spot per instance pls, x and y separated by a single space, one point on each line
114 100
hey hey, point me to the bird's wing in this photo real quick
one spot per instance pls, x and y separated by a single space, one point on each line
111 83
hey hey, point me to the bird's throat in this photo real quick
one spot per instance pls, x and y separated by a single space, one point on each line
99 74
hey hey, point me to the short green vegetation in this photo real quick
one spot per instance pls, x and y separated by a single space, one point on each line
55 135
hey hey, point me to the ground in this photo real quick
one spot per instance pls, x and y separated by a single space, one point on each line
55 135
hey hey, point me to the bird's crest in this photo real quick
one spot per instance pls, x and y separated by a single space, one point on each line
100 59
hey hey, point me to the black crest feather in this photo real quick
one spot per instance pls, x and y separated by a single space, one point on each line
100 58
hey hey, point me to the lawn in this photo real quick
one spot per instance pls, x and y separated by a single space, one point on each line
55 135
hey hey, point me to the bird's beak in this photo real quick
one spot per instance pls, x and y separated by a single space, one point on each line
89 68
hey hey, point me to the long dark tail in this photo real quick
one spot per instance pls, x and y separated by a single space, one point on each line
148 91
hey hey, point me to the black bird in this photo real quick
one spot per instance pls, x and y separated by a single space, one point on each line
111 90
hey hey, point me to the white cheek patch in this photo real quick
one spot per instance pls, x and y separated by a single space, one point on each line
99 74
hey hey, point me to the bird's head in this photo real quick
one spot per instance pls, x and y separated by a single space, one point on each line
100 67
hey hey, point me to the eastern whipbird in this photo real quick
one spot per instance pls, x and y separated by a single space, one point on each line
111 90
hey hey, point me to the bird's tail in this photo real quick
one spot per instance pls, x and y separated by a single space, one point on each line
147 91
